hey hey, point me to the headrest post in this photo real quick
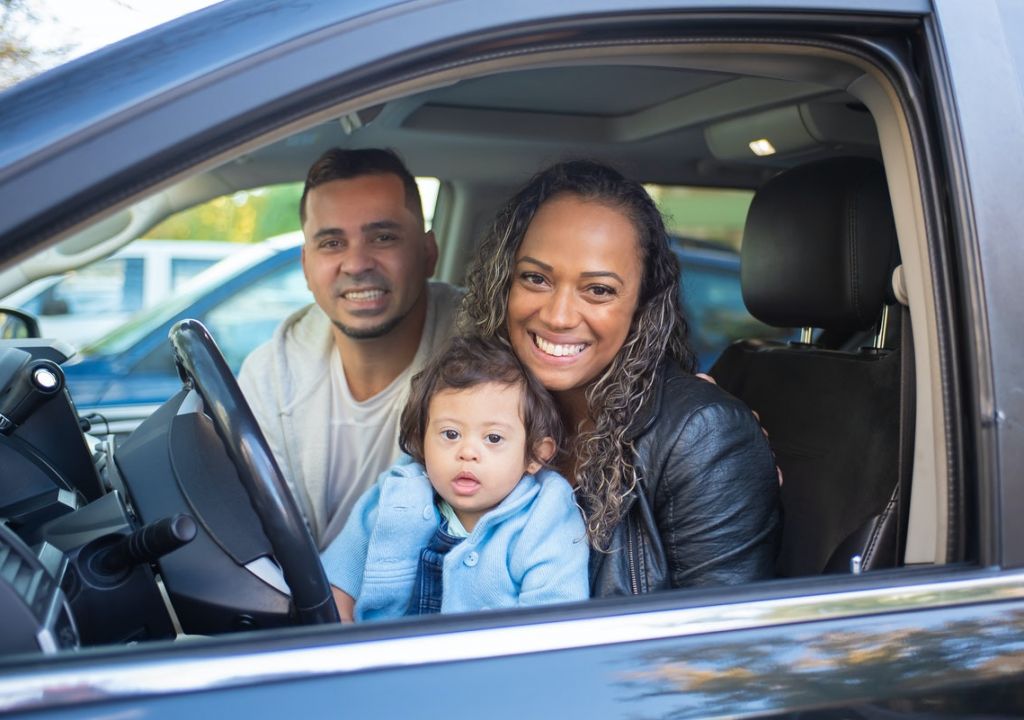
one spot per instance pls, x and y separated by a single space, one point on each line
806 335
883 328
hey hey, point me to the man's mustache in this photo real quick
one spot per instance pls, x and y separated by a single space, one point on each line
362 282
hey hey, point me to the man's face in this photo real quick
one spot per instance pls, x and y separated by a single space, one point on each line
366 258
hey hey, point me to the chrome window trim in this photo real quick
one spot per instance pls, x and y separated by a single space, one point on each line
117 681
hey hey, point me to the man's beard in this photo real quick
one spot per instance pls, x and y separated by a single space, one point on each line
370 333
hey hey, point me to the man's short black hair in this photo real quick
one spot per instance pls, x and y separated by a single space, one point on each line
341 164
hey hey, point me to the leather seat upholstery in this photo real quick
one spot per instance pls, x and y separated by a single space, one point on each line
819 249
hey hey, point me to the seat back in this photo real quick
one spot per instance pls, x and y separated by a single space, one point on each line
819 249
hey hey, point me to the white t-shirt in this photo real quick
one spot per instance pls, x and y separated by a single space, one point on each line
297 390
364 435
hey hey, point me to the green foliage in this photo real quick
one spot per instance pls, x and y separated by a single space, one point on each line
19 58
704 213
245 217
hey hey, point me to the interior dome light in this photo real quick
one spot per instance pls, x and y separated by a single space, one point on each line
762 147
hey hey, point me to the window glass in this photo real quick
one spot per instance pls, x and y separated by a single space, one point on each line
254 215
706 230
249 317
713 305
245 319
709 215
184 269
113 285
429 188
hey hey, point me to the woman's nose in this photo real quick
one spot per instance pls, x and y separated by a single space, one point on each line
559 312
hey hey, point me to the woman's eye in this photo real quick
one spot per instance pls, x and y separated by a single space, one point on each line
493 438
532 278
450 434
602 291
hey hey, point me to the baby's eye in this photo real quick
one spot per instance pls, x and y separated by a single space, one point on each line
493 438
450 434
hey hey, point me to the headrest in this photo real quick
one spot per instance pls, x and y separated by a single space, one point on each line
819 246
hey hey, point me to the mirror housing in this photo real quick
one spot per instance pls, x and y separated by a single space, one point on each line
18 325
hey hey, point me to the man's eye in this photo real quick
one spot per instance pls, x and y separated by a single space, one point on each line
450 434
493 438
384 238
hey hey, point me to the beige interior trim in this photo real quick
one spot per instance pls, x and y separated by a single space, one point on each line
927 529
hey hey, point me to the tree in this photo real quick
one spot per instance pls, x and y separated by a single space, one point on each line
19 58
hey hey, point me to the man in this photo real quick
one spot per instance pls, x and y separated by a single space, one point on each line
328 388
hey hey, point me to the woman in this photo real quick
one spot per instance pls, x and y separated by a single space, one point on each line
674 475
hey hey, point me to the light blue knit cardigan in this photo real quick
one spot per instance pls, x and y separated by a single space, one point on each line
529 550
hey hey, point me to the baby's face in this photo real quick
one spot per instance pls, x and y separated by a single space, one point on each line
475 447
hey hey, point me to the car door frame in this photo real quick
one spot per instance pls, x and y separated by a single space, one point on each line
653 642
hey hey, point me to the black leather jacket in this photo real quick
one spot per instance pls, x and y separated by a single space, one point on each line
706 509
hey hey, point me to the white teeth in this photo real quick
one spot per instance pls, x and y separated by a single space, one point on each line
558 350
364 294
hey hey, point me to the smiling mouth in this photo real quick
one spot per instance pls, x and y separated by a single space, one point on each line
363 295
558 350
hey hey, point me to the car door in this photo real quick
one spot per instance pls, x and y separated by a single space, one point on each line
941 635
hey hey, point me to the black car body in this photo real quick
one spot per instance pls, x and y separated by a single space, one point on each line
664 88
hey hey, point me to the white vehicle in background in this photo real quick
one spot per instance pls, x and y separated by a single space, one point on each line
81 305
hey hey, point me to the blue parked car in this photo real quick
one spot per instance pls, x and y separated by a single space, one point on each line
241 300
713 301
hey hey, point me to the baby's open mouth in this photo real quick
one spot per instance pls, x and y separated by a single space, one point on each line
465 484
557 350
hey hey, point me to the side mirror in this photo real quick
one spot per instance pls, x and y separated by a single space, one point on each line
17 325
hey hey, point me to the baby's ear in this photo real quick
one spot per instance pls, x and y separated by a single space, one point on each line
544 450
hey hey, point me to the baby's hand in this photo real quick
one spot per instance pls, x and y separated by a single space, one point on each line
346 604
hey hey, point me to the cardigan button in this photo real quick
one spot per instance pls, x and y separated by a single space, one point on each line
428 512
471 559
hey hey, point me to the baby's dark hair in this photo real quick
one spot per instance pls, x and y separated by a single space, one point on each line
465 362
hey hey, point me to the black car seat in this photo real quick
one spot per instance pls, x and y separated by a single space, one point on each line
819 251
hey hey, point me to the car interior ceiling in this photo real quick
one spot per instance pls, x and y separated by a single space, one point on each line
678 116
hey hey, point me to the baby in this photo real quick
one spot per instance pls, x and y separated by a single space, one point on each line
472 519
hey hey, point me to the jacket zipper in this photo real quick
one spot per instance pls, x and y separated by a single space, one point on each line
634 583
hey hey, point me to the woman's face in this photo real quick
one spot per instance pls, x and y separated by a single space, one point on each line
575 287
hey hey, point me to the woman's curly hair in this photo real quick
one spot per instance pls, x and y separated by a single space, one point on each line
604 471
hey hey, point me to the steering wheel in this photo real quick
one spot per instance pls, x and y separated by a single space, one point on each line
201 364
